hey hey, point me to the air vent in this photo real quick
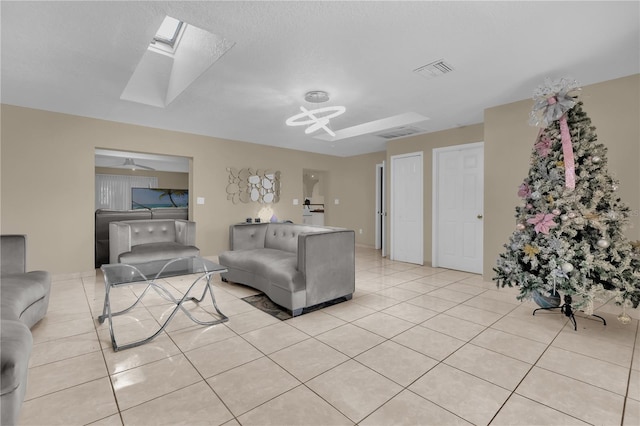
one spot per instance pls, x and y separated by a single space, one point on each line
434 69
400 132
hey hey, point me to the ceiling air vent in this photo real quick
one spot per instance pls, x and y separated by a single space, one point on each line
400 132
434 69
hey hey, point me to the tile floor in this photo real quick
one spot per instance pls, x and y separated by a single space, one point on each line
415 346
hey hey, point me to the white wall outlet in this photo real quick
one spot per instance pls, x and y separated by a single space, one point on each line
336 201
361 230
200 200
295 201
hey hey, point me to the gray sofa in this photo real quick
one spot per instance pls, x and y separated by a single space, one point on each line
24 302
103 217
296 266
136 241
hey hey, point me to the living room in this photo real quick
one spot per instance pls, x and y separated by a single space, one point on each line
57 151
48 148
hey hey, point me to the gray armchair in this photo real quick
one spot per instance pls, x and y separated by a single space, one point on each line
137 241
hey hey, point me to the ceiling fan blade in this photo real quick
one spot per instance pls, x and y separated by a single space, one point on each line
130 164
139 166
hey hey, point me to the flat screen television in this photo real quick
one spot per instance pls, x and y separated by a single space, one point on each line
148 198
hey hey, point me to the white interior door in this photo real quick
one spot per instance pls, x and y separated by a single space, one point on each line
458 199
407 208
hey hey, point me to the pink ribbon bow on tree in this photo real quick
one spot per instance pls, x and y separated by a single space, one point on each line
553 102
567 151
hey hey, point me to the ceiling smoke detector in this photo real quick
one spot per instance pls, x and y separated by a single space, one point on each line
316 96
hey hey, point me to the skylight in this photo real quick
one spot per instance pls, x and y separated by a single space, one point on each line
166 70
168 31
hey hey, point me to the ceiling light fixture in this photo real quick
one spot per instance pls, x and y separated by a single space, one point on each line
313 121
316 96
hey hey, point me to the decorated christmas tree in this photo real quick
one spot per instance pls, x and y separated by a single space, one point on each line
569 236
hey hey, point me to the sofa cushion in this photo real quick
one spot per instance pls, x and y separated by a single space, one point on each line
157 251
284 236
277 266
21 291
152 231
247 236
284 273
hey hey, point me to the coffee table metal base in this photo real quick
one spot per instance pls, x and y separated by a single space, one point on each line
165 294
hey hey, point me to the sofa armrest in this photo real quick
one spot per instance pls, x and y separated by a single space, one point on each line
327 262
13 251
185 232
119 240
16 342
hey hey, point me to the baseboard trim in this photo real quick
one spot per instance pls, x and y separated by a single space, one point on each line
73 275
366 246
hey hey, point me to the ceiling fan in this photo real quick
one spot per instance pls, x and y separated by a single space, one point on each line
130 164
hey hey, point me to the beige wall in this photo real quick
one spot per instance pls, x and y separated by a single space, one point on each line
47 181
353 183
47 174
613 107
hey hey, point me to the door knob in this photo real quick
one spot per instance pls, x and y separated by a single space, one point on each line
479 216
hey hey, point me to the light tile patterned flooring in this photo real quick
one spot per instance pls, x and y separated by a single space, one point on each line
415 346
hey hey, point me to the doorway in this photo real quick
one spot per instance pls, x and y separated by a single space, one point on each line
160 183
407 208
458 204
313 193
381 209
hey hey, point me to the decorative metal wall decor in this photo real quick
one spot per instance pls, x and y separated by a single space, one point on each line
257 185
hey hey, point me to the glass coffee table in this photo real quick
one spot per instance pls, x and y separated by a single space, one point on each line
151 275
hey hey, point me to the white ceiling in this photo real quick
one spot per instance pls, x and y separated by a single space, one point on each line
77 57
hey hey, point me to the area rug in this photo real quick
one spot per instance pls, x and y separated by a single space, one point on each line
262 302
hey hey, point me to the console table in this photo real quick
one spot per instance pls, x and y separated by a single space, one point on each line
151 274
